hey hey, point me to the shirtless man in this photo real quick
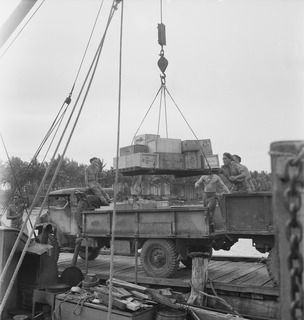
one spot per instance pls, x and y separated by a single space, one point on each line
213 186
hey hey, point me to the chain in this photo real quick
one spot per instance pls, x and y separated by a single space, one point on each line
293 175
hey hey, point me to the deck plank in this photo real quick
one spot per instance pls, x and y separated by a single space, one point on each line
236 276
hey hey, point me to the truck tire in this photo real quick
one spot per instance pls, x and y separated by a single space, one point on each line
159 258
93 253
52 240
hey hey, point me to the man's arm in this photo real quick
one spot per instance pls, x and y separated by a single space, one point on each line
198 182
242 173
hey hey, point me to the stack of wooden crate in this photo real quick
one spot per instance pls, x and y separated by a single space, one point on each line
152 151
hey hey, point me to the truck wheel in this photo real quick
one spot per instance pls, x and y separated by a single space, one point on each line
272 264
159 258
93 253
52 240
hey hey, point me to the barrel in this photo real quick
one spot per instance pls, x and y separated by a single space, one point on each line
170 314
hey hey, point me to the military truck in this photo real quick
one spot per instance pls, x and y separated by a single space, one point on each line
165 235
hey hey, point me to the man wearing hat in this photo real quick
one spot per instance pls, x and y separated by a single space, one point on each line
91 180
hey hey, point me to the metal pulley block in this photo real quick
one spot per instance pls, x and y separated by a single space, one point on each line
162 63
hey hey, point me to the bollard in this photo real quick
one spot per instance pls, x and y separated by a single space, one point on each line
199 276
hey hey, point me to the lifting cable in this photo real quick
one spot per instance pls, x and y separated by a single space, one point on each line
116 170
93 67
18 34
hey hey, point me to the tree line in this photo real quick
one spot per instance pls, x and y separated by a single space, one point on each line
22 175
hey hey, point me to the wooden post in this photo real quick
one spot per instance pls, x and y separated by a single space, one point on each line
199 277
288 215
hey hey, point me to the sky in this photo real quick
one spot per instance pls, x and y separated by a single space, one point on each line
236 70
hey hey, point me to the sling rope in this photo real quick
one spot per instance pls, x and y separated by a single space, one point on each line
162 64
146 114
116 170
93 67
18 34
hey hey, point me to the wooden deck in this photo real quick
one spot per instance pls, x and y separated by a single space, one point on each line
244 283
232 274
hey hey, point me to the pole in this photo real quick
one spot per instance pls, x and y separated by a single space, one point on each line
288 213
15 19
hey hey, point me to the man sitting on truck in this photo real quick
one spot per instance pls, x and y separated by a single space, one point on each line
91 180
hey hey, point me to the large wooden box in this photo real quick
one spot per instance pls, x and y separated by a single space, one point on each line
145 138
213 162
171 161
165 145
193 160
135 148
68 309
142 160
197 145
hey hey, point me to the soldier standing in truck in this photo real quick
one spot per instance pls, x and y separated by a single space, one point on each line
234 174
238 159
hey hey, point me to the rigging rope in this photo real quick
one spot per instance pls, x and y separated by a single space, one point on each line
8 262
18 34
54 136
87 46
57 122
116 170
68 99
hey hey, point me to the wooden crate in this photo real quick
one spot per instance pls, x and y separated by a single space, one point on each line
142 160
165 145
145 138
213 161
193 160
135 148
197 145
170 161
